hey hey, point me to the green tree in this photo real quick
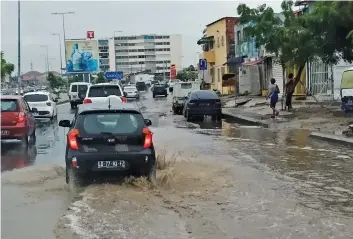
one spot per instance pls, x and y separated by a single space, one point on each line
6 68
75 78
100 78
187 74
295 40
191 68
55 82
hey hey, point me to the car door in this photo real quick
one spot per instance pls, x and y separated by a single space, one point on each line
31 121
188 96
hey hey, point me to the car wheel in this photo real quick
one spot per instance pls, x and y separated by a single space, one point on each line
25 142
188 116
154 96
166 95
152 175
180 112
34 137
72 106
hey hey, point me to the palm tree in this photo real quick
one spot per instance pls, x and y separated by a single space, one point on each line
6 68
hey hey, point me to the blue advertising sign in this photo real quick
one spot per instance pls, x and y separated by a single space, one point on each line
113 75
203 64
82 56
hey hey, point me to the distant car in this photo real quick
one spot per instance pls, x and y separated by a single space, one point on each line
99 93
131 92
17 120
107 140
141 86
44 102
200 103
77 93
159 90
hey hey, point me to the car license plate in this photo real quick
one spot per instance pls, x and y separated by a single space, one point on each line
5 132
121 147
111 164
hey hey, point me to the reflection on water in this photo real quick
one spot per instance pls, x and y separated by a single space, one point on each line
48 136
323 172
12 157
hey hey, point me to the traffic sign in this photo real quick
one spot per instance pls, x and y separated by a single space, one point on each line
114 75
90 34
203 64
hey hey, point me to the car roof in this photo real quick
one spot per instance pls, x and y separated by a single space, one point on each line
209 94
105 84
11 97
80 83
37 93
105 106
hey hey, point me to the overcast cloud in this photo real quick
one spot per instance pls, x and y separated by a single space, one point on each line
131 17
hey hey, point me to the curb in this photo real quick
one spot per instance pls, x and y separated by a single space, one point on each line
332 137
246 119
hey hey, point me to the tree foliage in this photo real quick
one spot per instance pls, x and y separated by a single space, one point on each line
6 68
54 81
188 73
100 78
294 40
75 78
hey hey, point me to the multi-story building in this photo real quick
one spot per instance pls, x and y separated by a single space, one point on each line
103 48
217 44
154 53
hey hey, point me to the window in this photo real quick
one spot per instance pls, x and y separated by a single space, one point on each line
25 105
36 98
186 86
73 88
82 89
115 123
104 91
238 37
9 105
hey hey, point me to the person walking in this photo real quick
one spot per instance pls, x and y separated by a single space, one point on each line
273 95
289 89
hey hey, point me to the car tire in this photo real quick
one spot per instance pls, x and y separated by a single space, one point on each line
152 174
154 96
72 106
33 137
180 112
188 116
25 143
166 95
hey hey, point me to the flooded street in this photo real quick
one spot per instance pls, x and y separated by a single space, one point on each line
228 181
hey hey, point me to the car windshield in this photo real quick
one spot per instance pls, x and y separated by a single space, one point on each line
104 91
115 123
9 105
36 98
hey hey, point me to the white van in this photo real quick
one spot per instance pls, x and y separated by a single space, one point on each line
180 91
77 93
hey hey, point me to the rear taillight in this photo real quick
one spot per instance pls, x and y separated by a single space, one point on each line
48 104
87 101
148 138
123 99
72 139
21 117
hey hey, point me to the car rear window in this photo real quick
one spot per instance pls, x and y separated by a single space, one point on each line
73 88
36 98
186 85
140 83
9 105
159 86
115 123
82 88
104 91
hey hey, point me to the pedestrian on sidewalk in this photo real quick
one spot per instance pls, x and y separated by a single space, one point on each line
273 95
289 89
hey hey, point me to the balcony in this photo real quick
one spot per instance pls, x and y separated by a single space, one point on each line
209 56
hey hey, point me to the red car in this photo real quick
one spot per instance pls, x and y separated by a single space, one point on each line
17 120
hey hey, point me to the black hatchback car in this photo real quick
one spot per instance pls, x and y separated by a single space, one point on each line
159 90
202 102
104 139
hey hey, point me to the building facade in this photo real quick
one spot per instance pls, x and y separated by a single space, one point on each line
153 53
103 49
216 43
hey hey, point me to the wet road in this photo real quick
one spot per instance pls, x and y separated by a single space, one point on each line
230 181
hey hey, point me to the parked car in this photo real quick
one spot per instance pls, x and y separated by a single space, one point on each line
44 102
99 93
103 139
17 120
77 93
181 89
141 86
132 92
159 90
200 103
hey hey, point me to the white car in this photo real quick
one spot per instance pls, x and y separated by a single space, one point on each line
77 93
44 102
99 93
131 92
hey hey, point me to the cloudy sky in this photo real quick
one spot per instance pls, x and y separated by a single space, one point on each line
104 17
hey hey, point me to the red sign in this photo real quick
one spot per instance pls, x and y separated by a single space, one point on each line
90 34
173 72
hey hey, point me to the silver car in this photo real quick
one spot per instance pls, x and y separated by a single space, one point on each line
131 92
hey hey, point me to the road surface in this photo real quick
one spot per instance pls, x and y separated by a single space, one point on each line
228 181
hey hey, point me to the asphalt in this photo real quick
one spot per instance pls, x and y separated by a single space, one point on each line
230 181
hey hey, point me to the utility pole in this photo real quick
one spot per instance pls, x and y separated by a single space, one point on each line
19 46
61 59
47 57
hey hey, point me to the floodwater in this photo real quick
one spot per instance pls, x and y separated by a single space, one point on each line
228 181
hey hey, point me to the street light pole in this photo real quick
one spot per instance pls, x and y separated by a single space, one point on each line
63 20
61 59
47 57
19 46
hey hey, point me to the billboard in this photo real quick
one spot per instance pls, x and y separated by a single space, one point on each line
173 72
82 56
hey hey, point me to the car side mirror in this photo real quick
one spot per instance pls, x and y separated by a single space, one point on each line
148 122
55 100
125 94
34 110
65 123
